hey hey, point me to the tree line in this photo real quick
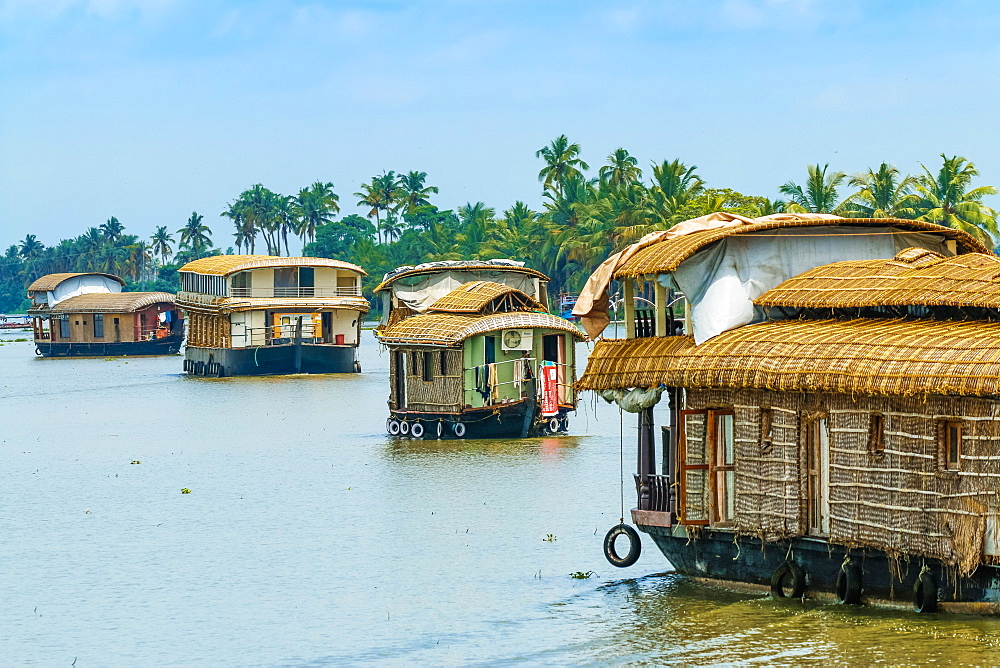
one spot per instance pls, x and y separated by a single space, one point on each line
585 216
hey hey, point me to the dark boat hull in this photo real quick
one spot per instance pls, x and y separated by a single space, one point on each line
716 555
502 421
168 345
271 360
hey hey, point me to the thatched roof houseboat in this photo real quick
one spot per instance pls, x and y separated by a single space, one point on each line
483 360
841 436
87 314
259 314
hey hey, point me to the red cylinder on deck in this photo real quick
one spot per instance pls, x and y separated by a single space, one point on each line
339 339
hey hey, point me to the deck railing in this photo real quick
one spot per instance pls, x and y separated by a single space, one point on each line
568 374
293 293
659 493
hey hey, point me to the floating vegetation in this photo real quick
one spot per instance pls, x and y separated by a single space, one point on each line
136 461
20 340
185 490
549 538
580 575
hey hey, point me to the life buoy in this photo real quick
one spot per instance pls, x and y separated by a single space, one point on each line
925 593
392 426
553 425
788 581
849 584
440 429
417 430
459 429
404 427
634 546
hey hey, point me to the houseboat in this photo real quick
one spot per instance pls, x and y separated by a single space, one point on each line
259 314
483 360
832 423
87 314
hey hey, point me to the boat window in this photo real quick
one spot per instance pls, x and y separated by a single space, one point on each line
950 444
491 349
876 434
64 327
722 442
766 428
444 362
428 366
98 325
415 369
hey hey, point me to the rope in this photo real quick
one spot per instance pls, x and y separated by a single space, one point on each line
621 461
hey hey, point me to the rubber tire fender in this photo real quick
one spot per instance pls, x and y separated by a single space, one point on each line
404 427
925 597
417 430
459 429
849 584
565 424
440 429
634 546
553 425
392 426
793 570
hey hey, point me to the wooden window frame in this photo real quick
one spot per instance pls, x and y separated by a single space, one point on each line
948 429
683 467
444 363
766 428
718 491
428 366
98 325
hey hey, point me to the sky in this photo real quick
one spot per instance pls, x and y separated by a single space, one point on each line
147 110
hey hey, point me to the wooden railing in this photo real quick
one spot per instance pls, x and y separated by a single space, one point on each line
292 293
645 323
659 493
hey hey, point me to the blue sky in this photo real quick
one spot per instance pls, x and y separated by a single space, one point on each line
149 109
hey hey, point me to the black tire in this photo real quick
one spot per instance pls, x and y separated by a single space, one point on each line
357 366
788 581
440 429
392 426
552 426
404 427
458 429
925 597
849 584
417 430
634 546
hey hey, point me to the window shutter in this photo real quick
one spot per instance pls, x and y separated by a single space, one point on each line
692 455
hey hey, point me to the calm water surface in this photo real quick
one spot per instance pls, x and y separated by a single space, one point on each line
311 538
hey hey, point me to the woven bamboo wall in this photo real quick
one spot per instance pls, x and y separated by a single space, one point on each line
444 394
900 500
208 331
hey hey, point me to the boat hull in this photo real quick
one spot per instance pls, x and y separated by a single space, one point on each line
168 345
271 360
717 555
501 421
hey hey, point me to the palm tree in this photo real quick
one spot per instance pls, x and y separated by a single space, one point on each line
881 195
820 192
161 241
195 236
315 206
414 192
382 194
674 185
561 162
112 229
31 247
622 170
946 199
284 219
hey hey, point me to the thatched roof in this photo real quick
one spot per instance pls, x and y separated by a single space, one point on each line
223 265
665 256
915 277
876 357
52 281
469 265
448 329
475 296
111 302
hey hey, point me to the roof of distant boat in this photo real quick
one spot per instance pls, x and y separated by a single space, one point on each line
223 265
457 265
52 281
111 302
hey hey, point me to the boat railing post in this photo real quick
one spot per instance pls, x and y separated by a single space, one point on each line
297 360
646 456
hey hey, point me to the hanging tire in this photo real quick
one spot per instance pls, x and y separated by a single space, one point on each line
925 593
565 424
440 429
417 430
357 366
458 429
788 581
392 426
634 546
404 427
553 425
849 584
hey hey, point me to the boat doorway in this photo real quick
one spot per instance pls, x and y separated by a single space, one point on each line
818 476
554 350
400 376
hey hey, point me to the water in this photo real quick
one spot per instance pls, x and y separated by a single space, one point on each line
311 538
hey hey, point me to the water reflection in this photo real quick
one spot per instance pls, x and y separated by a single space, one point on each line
548 447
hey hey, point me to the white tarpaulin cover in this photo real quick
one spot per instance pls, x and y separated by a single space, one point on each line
420 291
721 282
